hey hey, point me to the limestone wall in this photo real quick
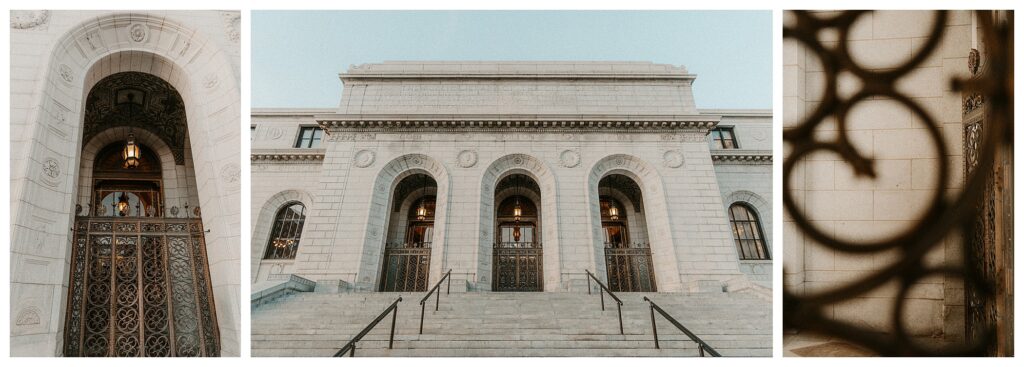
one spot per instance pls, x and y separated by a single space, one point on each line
55 55
844 205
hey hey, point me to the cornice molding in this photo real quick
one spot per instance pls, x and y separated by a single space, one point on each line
741 157
288 156
568 122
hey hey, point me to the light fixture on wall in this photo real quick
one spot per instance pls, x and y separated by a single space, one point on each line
132 153
123 205
421 212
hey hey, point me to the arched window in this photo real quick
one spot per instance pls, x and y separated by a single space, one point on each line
746 229
284 237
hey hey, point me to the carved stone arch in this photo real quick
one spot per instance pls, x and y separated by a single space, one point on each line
545 178
380 210
659 225
183 56
762 207
264 221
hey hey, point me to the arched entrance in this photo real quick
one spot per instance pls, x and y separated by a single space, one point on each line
627 247
518 253
140 281
410 235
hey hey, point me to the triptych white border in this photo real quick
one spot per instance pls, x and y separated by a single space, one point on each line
246 6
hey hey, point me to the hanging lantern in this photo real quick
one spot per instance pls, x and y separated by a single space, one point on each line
123 205
613 211
131 153
421 212
517 211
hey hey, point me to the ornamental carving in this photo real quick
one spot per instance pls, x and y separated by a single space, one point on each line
973 61
66 73
364 158
210 81
569 158
972 102
138 32
28 316
467 158
672 159
27 19
138 100
51 168
231 172
232 25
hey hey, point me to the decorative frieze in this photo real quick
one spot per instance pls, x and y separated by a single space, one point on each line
28 19
292 156
742 157
514 123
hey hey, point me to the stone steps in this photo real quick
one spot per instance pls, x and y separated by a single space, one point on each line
511 324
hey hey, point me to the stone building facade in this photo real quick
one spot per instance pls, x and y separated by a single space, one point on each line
908 151
515 166
86 86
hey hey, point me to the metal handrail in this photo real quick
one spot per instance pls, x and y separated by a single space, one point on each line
437 304
701 345
351 346
603 288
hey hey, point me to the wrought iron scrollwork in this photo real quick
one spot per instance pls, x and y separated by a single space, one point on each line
140 287
944 213
518 267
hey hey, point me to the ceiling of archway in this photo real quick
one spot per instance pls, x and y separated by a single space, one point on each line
626 186
137 100
411 184
519 182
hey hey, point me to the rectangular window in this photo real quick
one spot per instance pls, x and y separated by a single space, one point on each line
309 137
723 138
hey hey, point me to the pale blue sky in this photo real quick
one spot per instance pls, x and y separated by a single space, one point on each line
297 55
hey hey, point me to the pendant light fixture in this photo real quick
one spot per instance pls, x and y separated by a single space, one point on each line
123 205
132 153
421 212
613 211
517 213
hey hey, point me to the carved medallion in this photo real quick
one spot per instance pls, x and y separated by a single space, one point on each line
66 73
210 81
673 159
231 172
174 211
569 158
759 135
27 19
364 158
51 168
28 316
467 158
138 32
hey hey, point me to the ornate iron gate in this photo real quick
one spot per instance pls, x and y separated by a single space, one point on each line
140 287
629 269
990 248
518 267
406 269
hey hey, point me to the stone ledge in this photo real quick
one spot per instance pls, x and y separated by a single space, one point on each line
741 157
623 123
289 155
294 284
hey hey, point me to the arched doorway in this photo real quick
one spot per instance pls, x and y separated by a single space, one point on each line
139 283
627 247
410 235
518 253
